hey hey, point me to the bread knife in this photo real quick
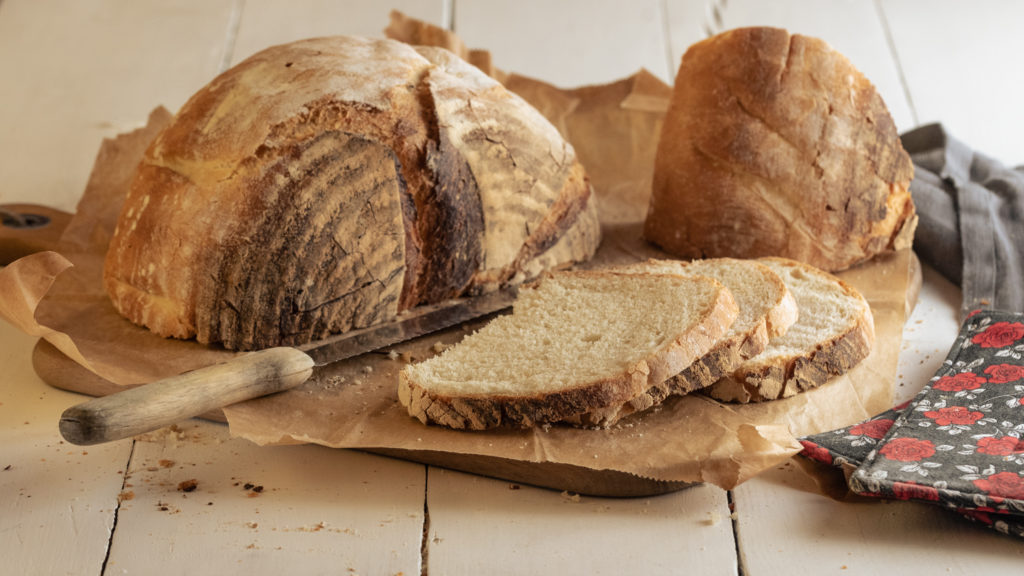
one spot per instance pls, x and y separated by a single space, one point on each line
252 375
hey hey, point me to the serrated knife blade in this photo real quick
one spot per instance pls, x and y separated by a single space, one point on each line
411 324
157 404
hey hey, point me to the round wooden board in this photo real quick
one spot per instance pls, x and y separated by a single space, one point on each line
39 229
59 371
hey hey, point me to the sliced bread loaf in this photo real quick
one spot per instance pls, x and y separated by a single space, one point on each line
834 332
766 310
575 342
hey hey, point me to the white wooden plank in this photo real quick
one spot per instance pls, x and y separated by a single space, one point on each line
268 22
265 510
786 527
57 500
568 43
853 27
961 61
75 72
484 526
928 334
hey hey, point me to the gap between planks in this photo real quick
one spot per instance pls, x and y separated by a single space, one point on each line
425 541
735 522
231 34
890 41
117 509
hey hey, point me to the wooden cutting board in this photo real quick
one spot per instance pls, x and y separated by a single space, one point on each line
59 371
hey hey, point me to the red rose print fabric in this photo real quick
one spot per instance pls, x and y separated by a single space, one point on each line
1002 485
959 382
908 450
1004 373
999 335
960 442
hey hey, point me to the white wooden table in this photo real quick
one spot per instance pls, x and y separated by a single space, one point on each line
73 72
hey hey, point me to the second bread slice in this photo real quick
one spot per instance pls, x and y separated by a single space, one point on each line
575 343
834 333
766 310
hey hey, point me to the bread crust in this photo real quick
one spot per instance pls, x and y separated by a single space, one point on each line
480 412
531 187
775 145
785 376
725 357
789 377
361 130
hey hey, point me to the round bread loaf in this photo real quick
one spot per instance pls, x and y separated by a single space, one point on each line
775 145
330 183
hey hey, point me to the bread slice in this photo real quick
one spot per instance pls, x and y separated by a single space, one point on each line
834 333
766 310
575 342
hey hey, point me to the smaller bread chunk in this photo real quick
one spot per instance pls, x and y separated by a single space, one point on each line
574 343
776 145
834 333
766 310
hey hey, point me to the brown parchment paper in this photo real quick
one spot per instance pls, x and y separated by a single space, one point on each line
353 404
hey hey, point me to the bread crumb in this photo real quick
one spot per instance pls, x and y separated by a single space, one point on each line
439 347
570 497
713 518
189 485
253 489
314 528
393 355
367 369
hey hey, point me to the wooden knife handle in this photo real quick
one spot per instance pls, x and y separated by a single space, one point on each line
158 404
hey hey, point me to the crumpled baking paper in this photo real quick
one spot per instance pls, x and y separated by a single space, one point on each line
353 404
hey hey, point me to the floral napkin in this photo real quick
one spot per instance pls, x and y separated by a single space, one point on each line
958 443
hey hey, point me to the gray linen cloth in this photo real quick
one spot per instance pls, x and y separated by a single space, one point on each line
971 219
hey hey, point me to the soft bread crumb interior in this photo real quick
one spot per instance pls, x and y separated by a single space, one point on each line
826 311
752 286
570 331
